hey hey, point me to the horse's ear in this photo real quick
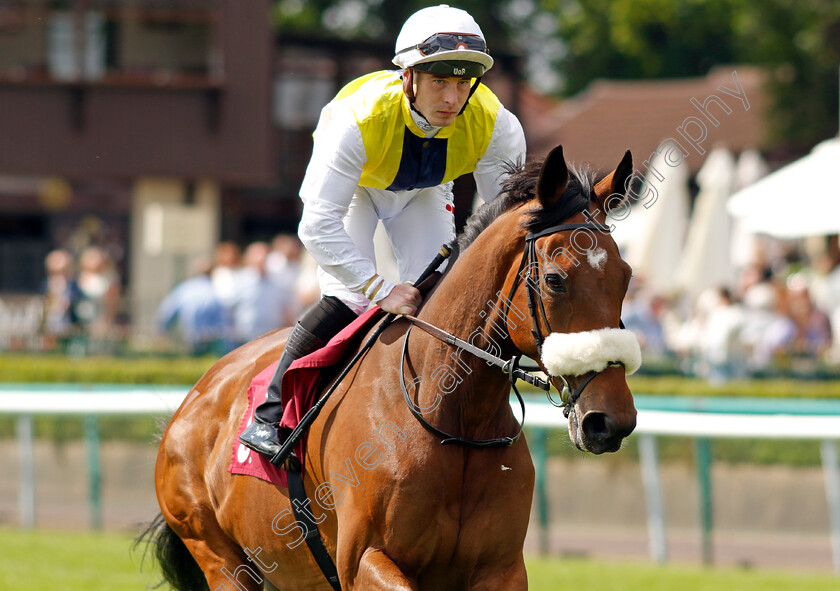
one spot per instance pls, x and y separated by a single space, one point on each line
554 176
614 183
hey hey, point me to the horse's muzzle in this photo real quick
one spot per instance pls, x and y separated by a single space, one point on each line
604 414
599 432
600 410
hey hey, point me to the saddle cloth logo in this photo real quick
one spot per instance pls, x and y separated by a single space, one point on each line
302 382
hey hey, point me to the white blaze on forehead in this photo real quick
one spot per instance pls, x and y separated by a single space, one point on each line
578 353
597 258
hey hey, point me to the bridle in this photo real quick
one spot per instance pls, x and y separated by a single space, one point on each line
529 261
511 366
568 396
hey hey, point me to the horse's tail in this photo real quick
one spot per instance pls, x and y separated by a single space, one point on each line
178 566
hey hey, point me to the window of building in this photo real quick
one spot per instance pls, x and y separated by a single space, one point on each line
305 81
132 42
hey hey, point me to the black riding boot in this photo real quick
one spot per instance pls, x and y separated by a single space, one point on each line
314 329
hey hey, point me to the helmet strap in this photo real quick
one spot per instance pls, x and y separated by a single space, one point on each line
408 84
408 88
472 91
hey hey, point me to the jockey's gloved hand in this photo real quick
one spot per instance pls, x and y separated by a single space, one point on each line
403 299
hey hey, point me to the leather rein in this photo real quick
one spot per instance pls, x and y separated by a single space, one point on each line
510 366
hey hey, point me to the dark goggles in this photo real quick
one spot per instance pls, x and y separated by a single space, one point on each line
451 42
448 42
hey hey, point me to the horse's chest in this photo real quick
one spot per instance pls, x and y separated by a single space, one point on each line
466 514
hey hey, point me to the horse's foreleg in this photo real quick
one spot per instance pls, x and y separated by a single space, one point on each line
231 572
377 572
224 564
511 578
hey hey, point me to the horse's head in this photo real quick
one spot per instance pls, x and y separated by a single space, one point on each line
573 281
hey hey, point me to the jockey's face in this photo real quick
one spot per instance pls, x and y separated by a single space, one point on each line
440 98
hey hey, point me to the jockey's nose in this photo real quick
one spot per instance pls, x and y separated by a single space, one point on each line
450 94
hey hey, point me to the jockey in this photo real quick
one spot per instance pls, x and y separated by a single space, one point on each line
388 147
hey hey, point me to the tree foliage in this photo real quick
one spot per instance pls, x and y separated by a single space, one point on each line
644 38
377 19
798 42
570 43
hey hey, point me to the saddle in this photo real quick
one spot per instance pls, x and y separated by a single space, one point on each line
305 379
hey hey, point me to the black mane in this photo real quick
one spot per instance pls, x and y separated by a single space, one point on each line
519 188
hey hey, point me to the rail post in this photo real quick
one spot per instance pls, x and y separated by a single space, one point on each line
704 462
649 461
540 459
26 494
832 495
94 471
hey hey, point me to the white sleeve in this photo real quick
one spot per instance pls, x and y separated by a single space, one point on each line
331 179
507 145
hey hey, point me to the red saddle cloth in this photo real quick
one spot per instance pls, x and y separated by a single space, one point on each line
301 385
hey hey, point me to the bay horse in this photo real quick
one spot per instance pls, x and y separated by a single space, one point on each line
396 509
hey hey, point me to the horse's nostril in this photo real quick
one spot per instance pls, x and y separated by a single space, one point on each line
598 426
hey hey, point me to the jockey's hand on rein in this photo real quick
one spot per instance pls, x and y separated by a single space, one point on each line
403 299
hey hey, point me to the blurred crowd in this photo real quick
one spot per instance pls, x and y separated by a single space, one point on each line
228 299
80 298
782 317
238 296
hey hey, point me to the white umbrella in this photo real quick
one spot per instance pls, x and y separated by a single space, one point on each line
652 234
801 199
706 259
748 248
751 167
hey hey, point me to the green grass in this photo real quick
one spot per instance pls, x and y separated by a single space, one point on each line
579 575
69 561
65 561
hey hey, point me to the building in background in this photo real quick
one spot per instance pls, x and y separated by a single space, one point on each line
155 129
725 108
123 125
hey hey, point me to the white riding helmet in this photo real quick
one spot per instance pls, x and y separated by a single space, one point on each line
443 40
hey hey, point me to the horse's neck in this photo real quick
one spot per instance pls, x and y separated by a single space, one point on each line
467 304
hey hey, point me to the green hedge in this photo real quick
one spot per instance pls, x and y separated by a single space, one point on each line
22 368
770 388
19 368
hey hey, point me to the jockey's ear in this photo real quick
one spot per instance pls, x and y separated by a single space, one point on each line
613 187
554 176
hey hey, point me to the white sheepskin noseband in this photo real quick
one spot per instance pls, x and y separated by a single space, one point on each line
578 353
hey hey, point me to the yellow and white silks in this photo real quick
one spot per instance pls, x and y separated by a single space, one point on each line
370 162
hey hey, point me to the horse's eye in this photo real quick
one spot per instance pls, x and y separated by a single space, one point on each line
555 282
